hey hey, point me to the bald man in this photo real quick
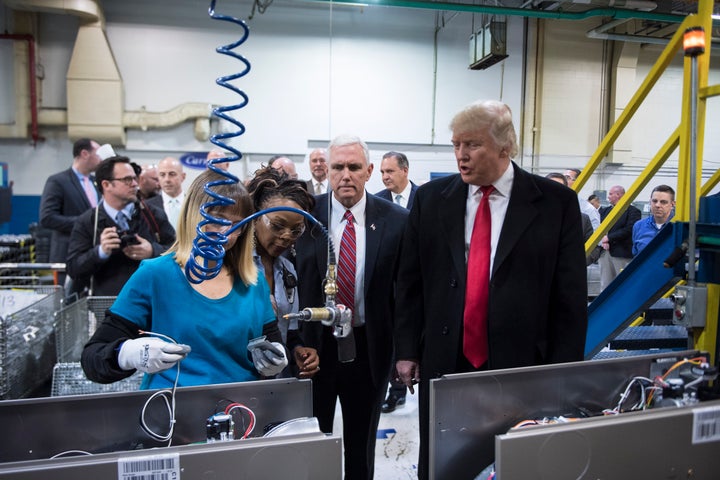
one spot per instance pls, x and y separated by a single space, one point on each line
318 184
148 182
171 175
284 164
218 153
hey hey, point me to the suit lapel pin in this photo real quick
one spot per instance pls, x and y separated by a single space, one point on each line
372 226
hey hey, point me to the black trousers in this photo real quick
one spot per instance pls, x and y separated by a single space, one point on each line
360 401
397 389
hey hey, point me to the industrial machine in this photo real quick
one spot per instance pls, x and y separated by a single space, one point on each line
647 416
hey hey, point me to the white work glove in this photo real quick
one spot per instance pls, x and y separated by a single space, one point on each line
150 355
269 358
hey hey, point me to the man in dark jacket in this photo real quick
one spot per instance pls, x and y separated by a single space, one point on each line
492 269
365 275
617 244
109 241
66 195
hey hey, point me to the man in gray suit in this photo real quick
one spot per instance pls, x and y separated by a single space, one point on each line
68 194
533 308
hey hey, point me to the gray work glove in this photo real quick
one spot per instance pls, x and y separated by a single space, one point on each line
150 355
269 358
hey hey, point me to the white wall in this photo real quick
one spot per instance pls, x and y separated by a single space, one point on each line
571 89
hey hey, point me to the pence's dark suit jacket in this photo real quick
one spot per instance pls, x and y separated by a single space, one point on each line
537 311
385 223
63 200
387 195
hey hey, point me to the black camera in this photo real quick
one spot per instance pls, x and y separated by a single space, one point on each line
127 238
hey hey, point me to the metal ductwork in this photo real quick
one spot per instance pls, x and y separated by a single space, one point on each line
95 93
25 88
94 86
87 10
201 112
95 98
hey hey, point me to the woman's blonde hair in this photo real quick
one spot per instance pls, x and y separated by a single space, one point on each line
239 258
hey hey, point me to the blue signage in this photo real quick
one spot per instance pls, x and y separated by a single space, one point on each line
197 160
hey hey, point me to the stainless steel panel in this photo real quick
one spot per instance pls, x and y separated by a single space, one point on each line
43 427
649 444
298 457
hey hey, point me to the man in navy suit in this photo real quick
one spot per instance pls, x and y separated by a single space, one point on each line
535 309
398 187
400 190
68 194
378 225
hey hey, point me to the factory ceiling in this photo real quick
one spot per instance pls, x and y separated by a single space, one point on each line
653 21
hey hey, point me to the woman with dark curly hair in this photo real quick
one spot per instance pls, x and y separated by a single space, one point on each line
275 233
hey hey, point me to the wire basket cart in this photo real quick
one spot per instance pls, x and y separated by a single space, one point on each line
75 323
27 338
69 379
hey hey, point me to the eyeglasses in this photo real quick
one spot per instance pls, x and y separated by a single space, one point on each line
280 230
126 180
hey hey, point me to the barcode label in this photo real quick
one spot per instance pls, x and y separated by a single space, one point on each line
706 425
150 467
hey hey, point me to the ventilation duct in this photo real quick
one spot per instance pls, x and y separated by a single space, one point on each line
95 97
488 45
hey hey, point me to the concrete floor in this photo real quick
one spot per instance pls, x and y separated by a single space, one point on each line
397 447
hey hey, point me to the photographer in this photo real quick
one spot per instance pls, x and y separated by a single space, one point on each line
108 242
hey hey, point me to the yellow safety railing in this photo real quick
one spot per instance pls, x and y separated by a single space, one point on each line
706 338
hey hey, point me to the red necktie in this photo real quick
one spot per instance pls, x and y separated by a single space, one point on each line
475 335
346 264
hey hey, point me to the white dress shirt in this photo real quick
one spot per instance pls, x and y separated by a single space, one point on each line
499 200
337 226
592 212
173 210
112 213
404 196
323 186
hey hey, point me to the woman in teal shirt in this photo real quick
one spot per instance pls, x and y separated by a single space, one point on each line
210 323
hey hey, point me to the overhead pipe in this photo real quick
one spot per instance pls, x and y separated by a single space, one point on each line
34 131
519 12
200 112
